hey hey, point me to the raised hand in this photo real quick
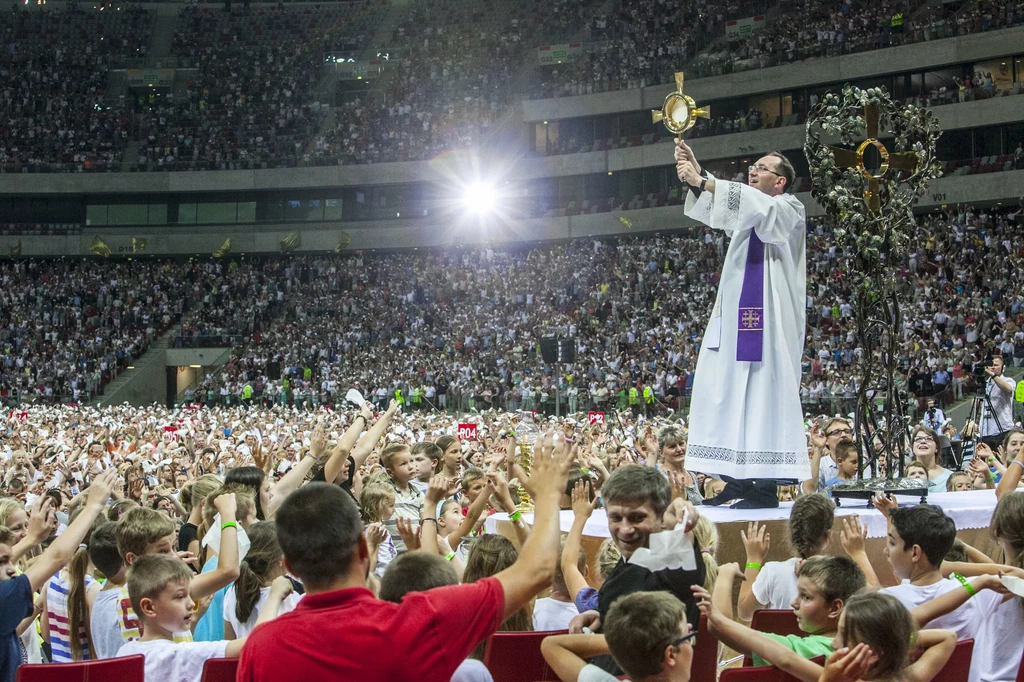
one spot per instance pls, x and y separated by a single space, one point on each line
376 533
582 505
849 665
756 541
408 531
318 442
99 489
884 503
281 587
41 519
853 535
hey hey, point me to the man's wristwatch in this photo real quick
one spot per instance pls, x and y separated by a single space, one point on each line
703 184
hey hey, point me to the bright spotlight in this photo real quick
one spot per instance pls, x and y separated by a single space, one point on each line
480 198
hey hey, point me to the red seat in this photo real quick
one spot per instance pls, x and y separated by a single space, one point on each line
768 673
705 653
1020 671
515 656
777 621
958 666
127 669
220 670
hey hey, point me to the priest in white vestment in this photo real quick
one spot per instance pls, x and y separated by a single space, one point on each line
746 420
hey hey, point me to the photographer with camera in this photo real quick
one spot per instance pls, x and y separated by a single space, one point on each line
997 412
934 417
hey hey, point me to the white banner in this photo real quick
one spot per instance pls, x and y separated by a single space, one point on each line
743 28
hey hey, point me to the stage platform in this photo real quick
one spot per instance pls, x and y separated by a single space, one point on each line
972 512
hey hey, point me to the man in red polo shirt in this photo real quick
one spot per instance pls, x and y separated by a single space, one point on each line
340 631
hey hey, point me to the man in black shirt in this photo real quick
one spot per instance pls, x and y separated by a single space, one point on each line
639 503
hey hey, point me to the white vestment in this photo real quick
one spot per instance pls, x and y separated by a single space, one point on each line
746 420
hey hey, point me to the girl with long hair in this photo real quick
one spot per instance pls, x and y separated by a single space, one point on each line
69 596
246 598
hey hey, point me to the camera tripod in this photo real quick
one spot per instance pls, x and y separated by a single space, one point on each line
979 403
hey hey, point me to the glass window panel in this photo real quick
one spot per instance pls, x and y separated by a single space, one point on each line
217 213
332 209
187 214
127 214
314 209
246 211
96 214
158 214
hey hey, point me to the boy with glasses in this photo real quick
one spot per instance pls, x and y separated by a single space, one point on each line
647 634
824 469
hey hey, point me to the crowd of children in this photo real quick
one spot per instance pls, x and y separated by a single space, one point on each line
376 545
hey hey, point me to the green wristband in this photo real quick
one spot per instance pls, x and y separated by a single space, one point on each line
753 565
229 524
450 556
516 515
963 581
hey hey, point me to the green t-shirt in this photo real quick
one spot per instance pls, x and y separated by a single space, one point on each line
808 647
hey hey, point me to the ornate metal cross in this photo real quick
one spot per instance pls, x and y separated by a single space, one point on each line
850 158
679 113
751 319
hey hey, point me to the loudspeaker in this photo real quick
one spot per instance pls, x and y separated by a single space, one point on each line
561 350
274 371
549 349
566 350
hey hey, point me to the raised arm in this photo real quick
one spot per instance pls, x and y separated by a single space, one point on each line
472 516
567 654
756 541
535 567
1008 483
59 553
297 474
205 584
937 646
853 537
952 600
505 501
366 444
582 508
748 641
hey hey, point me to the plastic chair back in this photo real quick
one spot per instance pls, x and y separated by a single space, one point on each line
127 669
220 670
958 667
515 656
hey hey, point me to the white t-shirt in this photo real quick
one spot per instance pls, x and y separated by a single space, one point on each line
591 673
551 614
243 629
775 584
170 662
471 670
999 645
964 621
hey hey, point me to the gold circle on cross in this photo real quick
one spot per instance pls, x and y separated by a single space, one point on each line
882 152
679 113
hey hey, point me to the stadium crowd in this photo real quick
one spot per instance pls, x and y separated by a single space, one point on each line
55 112
181 534
465 323
252 101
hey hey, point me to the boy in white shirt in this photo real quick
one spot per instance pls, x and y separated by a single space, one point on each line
159 589
919 539
555 612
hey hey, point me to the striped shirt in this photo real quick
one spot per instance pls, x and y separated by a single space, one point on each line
407 506
57 591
